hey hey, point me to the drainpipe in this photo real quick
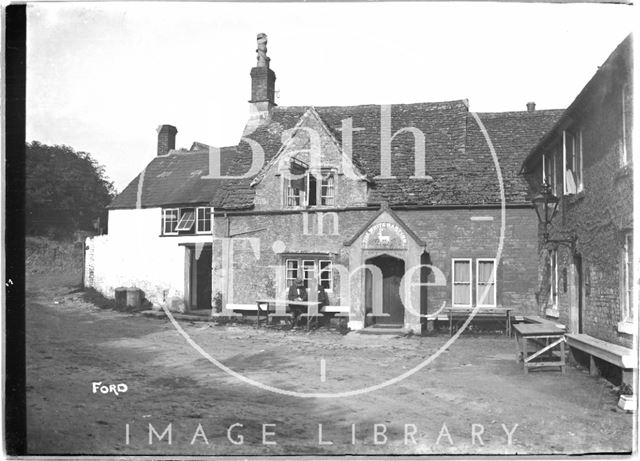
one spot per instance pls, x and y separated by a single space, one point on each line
227 262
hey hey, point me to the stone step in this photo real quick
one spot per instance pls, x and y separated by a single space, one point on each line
395 330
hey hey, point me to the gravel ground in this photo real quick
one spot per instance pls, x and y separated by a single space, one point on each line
474 387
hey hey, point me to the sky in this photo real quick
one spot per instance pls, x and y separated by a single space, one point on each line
101 77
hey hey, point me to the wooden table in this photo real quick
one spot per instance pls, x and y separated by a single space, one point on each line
270 305
460 314
307 305
545 336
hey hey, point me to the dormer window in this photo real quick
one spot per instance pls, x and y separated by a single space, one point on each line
308 188
186 221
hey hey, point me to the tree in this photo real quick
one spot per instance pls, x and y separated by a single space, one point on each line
65 190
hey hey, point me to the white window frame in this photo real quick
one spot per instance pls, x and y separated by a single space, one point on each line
454 283
626 272
480 287
554 285
164 220
315 270
577 161
329 270
183 213
302 198
331 189
300 272
624 152
288 279
202 209
549 159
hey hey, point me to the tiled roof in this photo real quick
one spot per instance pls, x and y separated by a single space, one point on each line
457 157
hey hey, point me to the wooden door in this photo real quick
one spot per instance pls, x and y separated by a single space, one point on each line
392 273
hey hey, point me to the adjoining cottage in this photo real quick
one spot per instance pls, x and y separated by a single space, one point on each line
318 193
586 160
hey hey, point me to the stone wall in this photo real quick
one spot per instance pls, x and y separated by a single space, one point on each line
448 233
599 216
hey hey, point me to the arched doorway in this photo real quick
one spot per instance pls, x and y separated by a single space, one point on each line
392 273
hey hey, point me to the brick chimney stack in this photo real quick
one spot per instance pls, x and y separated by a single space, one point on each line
166 138
531 106
263 81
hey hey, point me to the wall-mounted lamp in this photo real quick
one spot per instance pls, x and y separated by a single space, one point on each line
546 206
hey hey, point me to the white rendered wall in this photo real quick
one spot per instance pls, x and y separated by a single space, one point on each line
134 254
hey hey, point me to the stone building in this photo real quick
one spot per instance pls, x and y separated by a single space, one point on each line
586 159
396 210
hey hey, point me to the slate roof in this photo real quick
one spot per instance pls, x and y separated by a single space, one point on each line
457 157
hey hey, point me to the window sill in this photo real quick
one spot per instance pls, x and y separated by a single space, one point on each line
552 313
627 328
572 199
623 171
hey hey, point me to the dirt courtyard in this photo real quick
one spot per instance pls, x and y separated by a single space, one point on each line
474 398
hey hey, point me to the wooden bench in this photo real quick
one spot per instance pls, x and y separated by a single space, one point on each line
455 315
238 310
614 354
340 312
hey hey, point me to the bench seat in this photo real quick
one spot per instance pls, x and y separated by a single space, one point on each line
620 356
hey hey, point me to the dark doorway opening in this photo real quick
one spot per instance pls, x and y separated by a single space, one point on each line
392 273
578 265
199 289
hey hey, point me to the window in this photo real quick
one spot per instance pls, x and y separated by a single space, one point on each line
327 194
626 281
461 282
308 272
291 271
549 170
170 221
572 143
203 222
326 274
625 126
305 190
486 282
553 280
309 268
185 221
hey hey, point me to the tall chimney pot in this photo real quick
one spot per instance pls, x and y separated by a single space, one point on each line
531 106
166 138
263 82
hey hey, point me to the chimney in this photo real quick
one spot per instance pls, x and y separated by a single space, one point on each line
531 106
263 81
166 138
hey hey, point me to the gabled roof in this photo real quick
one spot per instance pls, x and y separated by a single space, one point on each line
457 157
384 208
310 112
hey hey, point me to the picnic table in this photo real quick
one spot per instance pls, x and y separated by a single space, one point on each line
271 306
546 337
458 315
